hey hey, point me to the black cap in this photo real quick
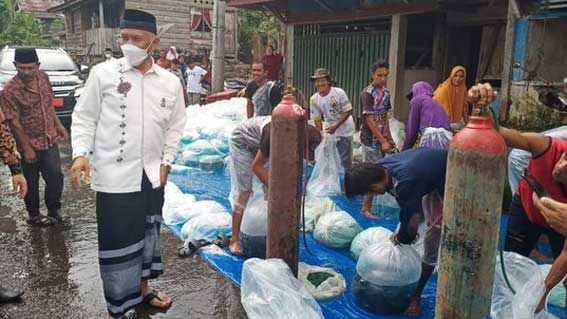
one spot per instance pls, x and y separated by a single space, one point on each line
138 19
108 50
26 55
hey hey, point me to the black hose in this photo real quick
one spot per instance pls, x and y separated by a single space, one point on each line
304 193
504 268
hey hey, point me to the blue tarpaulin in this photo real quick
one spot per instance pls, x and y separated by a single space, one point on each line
216 186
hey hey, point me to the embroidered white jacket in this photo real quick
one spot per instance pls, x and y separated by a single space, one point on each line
127 123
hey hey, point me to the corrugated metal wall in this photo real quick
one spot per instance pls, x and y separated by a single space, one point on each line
348 56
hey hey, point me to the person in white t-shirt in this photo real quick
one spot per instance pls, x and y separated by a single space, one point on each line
331 109
195 76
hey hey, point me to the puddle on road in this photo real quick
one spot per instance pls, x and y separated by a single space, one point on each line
58 266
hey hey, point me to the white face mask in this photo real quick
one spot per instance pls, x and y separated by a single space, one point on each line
133 54
108 55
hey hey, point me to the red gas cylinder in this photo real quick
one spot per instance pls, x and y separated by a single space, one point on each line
474 186
287 143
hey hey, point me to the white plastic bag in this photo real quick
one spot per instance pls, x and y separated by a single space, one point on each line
269 290
386 278
526 278
255 218
314 208
336 229
387 264
210 221
386 206
398 132
177 206
325 179
330 288
368 237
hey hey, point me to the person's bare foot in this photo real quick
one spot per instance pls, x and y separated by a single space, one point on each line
367 213
414 308
235 248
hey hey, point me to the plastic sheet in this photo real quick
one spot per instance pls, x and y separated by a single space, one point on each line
209 221
367 238
216 186
325 178
336 229
329 286
269 290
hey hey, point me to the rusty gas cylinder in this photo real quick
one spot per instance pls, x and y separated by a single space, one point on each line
287 144
474 186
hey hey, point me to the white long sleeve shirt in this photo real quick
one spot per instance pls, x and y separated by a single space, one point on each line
127 123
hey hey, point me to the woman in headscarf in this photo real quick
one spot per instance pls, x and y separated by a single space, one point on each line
428 118
452 95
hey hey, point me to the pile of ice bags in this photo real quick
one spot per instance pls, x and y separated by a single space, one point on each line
200 219
207 132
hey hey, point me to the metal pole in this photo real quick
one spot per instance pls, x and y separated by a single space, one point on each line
218 46
287 143
474 187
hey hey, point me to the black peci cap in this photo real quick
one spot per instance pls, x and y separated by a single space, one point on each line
25 55
138 19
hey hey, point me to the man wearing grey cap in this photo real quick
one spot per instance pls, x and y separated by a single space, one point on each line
331 109
126 129
27 104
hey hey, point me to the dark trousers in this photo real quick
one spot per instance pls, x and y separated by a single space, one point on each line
49 165
522 235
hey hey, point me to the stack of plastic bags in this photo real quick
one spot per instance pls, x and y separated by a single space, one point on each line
207 132
200 219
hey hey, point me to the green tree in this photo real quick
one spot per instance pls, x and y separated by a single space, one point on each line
256 23
18 27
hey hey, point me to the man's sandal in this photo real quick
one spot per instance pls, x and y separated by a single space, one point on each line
41 220
151 296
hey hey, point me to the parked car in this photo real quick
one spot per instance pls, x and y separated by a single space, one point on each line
63 73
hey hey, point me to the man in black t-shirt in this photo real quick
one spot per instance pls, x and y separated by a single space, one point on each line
262 95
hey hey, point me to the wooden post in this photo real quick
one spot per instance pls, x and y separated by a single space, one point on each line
439 46
101 13
508 66
218 46
398 35
289 47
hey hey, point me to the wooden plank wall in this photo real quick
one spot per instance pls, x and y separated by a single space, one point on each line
177 12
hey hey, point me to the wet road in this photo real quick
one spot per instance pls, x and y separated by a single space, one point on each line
57 266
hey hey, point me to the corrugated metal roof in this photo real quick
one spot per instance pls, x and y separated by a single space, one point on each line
39 8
